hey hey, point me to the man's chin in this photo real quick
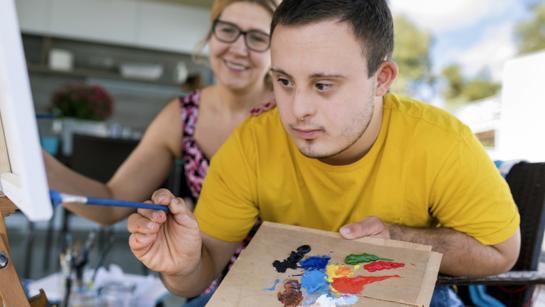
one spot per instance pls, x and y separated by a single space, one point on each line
313 153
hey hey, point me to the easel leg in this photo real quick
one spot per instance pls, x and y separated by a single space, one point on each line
11 290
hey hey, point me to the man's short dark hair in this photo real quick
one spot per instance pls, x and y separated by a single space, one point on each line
371 21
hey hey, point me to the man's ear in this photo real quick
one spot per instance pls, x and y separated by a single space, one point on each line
386 75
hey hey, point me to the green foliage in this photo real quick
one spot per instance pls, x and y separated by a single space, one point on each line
530 36
460 90
411 53
478 89
455 80
82 101
531 33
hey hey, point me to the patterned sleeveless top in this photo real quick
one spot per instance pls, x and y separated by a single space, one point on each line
196 163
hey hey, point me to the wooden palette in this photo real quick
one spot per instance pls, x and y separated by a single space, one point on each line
253 271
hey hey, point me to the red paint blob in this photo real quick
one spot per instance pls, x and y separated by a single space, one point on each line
354 285
382 265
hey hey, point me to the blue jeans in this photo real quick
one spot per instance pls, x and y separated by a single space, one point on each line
444 296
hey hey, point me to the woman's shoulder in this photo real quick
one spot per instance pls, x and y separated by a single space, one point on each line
191 99
255 111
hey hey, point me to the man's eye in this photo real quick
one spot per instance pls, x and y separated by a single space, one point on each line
323 86
284 82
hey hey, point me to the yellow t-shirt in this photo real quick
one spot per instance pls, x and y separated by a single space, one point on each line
426 169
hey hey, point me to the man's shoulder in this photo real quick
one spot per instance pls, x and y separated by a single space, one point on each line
260 129
260 135
424 114
264 117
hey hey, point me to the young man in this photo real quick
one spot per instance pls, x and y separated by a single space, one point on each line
339 153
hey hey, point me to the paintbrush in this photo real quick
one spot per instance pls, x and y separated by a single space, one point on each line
58 198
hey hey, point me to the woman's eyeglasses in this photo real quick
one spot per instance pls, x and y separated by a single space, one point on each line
228 32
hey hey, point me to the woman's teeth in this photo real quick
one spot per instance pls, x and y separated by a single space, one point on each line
235 65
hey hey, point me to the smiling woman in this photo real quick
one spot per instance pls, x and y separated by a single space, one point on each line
192 127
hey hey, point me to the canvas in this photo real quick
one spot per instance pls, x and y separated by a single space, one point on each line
22 172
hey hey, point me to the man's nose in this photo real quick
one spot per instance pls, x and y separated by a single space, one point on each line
302 105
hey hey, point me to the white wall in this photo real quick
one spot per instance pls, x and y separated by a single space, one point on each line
522 122
141 23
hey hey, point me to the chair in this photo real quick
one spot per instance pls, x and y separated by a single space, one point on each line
516 288
99 157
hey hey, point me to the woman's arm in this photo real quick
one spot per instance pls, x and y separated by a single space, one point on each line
139 175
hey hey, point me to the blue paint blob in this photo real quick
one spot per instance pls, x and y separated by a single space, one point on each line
273 287
315 281
315 263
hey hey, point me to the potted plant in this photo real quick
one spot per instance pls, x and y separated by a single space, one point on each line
84 109
81 101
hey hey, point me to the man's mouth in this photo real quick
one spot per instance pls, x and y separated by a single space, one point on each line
307 133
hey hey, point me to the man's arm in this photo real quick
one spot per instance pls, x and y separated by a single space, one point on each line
462 254
215 256
173 245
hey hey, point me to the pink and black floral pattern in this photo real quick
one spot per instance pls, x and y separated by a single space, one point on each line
196 164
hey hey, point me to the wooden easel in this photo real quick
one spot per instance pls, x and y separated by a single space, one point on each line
11 290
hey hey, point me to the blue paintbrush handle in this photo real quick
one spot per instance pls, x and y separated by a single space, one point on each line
123 203
59 198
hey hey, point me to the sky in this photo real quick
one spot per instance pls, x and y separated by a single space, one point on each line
478 35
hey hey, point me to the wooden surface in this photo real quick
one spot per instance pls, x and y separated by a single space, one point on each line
253 272
4 158
11 290
6 208
39 300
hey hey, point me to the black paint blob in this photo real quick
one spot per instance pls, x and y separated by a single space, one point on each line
292 260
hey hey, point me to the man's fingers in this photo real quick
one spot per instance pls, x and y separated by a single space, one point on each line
157 216
140 243
177 206
369 226
140 224
162 197
182 214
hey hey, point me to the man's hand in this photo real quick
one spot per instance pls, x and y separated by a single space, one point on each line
462 254
369 226
166 243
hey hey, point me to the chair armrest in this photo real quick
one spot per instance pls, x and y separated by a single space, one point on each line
508 278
